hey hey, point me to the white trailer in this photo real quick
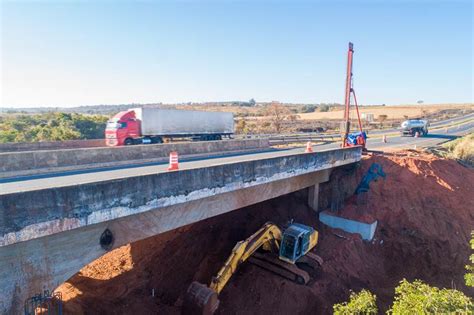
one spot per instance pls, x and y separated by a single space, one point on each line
170 122
153 125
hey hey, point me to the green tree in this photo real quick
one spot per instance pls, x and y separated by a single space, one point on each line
90 127
51 127
469 277
323 108
420 298
308 109
359 303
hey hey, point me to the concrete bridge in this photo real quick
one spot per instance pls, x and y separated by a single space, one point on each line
48 234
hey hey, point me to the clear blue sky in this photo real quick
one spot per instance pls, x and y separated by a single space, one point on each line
67 53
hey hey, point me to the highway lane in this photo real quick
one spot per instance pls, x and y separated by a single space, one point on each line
436 124
104 174
451 120
433 138
99 175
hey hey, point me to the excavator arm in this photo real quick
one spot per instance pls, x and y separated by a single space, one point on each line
268 238
200 299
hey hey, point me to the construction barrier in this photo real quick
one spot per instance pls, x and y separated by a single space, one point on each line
173 161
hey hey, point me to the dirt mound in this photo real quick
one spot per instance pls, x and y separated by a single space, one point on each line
425 213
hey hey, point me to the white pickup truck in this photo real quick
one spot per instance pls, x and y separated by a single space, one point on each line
412 126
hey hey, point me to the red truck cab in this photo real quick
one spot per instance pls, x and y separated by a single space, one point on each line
122 129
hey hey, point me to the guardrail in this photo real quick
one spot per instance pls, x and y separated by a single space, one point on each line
293 138
287 139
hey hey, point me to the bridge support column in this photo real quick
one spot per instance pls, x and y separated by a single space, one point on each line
313 190
313 197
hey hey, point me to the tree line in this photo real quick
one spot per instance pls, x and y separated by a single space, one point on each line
52 126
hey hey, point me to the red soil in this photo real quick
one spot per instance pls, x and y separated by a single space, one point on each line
425 209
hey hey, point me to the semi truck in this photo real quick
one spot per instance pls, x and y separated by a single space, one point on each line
154 125
412 126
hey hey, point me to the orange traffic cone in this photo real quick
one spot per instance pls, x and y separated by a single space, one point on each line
384 139
309 147
173 161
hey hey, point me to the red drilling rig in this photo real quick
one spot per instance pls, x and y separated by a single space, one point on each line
357 138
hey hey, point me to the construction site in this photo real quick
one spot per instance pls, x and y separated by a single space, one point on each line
236 207
418 236
243 227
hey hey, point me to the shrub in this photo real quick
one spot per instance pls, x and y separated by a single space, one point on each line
359 303
241 127
469 277
462 149
420 298
308 109
324 108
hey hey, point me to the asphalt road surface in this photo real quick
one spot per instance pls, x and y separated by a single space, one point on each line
68 178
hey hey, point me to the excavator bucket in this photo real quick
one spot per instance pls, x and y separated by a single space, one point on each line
200 299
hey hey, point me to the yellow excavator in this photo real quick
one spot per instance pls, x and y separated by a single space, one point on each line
282 251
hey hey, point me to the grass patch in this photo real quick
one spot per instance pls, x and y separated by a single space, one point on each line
461 149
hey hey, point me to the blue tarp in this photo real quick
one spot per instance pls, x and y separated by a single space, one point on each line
352 137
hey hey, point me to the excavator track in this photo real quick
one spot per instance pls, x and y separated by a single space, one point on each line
311 259
271 263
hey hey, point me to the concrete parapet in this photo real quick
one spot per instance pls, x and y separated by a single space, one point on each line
51 145
36 162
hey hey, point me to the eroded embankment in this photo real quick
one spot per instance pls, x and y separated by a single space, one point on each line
425 212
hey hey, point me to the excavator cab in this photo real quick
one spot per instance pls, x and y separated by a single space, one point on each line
296 242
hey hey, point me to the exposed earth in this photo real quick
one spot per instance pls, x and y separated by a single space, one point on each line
425 214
